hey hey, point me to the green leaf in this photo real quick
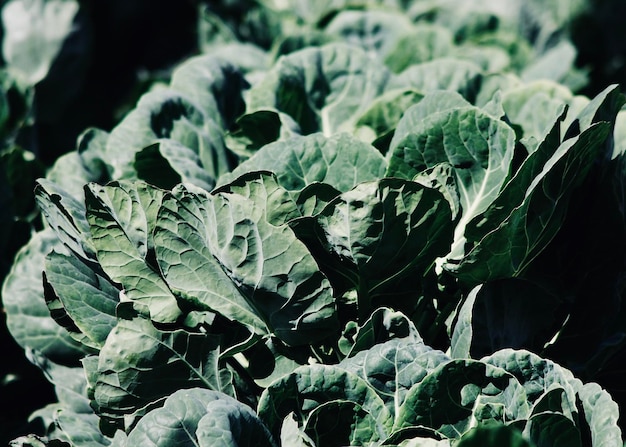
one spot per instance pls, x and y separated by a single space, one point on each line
166 114
478 146
27 315
324 89
377 32
122 217
227 256
526 226
385 112
424 43
392 368
84 296
139 365
200 417
444 73
167 162
188 265
460 393
534 107
313 385
386 235
214 84
537 375
339 160
66 216
601 414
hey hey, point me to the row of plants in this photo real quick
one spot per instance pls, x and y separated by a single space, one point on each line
372 223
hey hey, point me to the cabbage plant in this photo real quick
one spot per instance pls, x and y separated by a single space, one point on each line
340 240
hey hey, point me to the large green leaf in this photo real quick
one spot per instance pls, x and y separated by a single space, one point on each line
324 89
28 318
313 385
214 84
339 160
386 235
198 417
122 217
530 220
223 253
166 113
65 214
477 145
139 365
444 73
81 295
393 367
462 393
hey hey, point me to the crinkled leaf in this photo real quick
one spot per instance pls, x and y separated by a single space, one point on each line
215 85
122 217
340 161
601 414
478 146
535 374
140 364
310 386
166 114
376 31
526 227
199 417
460 393
82 295
27 315
392 368
189 266
386 235
229 257
324 89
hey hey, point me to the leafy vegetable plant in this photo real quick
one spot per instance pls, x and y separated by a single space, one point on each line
357 236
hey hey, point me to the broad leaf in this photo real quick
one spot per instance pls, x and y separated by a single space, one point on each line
526 226
386 235
122 217
80 299
227 256
28 318
478 146
324 89
139 365
200 418
460 393
339 160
